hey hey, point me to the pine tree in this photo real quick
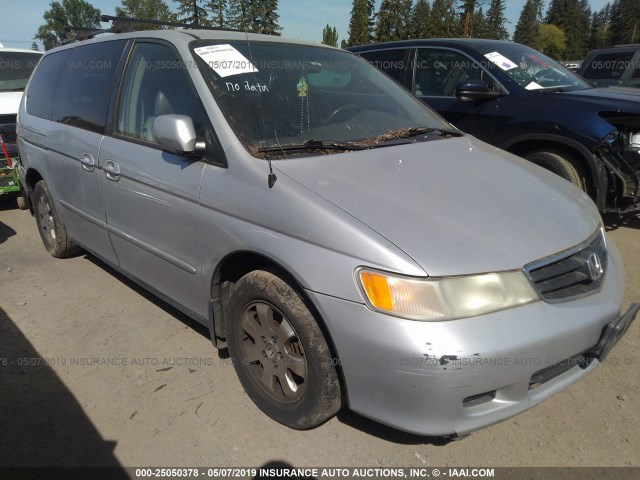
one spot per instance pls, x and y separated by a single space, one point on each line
479 27
218 9
527 30
267 17
443 21
359 24
467 8
259 16
330 36
495 21
371 13
190 11
600 28
574 18
147 9
420 19
392 23
625 22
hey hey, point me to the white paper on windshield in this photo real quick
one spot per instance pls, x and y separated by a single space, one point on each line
501 61
225 60
534 86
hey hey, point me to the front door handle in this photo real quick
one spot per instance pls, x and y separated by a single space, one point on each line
112 170
88 162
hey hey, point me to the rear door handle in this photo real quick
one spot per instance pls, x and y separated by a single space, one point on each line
88 162
112 170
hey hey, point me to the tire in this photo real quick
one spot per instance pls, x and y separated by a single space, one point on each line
279 352
52 231
21 200
561 165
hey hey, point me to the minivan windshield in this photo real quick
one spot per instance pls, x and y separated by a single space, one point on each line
15 69
531 69
290 95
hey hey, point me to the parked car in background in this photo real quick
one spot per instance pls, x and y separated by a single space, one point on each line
16 66
616 66
517 99
346 243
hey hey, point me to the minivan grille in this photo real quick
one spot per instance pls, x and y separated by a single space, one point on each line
8 118
573 273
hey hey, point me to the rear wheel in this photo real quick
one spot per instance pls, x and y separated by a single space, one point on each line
52 230
279 352
561 164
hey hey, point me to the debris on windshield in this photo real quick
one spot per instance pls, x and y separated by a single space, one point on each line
405 133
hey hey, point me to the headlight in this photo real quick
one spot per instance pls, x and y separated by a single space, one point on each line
445 298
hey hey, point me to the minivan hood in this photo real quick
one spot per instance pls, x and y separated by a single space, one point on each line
10 102
456 206
612 98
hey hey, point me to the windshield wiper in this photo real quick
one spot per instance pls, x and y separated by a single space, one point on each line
394 136
313 145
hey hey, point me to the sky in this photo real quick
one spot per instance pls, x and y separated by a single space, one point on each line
303 19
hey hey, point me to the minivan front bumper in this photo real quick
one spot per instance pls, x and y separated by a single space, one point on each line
453 377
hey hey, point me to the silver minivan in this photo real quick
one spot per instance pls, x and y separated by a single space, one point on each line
345 243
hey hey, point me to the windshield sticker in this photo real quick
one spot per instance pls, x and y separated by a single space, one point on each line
501 61
225 60
534 86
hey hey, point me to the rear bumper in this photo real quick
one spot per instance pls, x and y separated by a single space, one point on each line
443 378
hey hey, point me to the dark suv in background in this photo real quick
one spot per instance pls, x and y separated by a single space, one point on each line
616 66
517 99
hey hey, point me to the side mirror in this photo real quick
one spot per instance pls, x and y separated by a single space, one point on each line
176 134
475 90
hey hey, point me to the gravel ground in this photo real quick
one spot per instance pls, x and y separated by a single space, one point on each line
62 408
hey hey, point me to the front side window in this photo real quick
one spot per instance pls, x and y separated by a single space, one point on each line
278 94
156 84
15 70
439 71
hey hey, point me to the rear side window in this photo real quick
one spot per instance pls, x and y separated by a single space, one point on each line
74 87
43 85
391 62
608 66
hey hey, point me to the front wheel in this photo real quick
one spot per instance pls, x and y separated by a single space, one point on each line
52 230
560 164
279 352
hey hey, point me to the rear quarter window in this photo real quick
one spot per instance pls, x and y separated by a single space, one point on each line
392 62
74 87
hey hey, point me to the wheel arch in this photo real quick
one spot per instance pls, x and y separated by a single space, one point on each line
526 144
234 266
31 178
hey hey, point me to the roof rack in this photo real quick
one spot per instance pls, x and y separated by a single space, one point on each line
126 24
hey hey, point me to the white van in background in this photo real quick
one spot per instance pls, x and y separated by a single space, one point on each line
16 66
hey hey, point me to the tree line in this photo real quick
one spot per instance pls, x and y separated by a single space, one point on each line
568 29
259 16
